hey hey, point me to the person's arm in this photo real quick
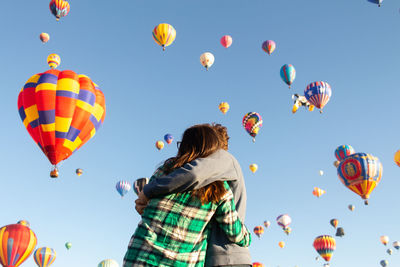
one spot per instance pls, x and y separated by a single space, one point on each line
196 174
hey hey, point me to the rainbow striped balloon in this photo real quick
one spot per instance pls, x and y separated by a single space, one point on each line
343 151
318 94
325 245
44 256
59 8
269 46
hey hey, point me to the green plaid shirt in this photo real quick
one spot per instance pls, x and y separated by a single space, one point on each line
174 230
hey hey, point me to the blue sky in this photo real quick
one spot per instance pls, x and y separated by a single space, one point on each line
352 45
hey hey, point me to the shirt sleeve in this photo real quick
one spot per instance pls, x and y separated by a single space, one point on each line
227 218
194 175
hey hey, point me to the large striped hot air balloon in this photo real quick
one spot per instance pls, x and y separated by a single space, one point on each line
44 256
325 245
318 94
61 110
164 34
361 173
252 122
17 243
59 8
288 74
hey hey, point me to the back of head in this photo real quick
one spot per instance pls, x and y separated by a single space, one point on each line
223 134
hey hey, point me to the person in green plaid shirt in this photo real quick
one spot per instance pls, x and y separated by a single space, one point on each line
174 230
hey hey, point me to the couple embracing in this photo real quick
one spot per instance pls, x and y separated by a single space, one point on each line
193 208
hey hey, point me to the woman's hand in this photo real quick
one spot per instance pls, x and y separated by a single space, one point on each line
141 202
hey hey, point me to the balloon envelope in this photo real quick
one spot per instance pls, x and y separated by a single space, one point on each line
253 167
53 60
267 224
269 46
24 222
288 74
397 158
252 122
226 41
123 187
44 37
340 232
396 244
384 263
281 244
318 192
159 145
207 60
384 239
325 245
164 34
378 2
343 151
334 222
258 264
68 245
139 184
44 256
59 8
79 172
168 138
284 220
223 107
108 263
318 94
259 230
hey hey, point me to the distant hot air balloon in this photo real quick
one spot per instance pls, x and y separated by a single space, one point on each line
287 230
108 263
79 172
226 41
321 172
288 74
384 239
24 222
53 60
259 230
258 264
384 263
44 37
396 245
17 243
224 107
269 46
340 232
267 224
159 145
68 245
59 8
164 34
252 123
168 138
281 244
325 245
253 167
284 221
351 207
318 94
397 158
389 251
207 60
44 256
61 111
318 192
343 151
360 173
334 222
139 184
378 2
123 187
336 163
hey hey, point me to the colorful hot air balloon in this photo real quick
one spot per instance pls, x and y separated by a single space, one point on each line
287 230
61 111
207 60
397 158
59 8
164 34
334 222
351 207
68 245
325 245
123 187
159 145
267 224
253 167
318 94
259 230
252 122
108 263
44 256
269 46
226 41
389 251
343 151
17 243
284 221
258 264
281 244
361 173
384 263
24 222
53 60
223 107
79 172
340 232
288 74
378 2
44 37
336 163
318 192
396 245
139 184
321 172
384 239
168 138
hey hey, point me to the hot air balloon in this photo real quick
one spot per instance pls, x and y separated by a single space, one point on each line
284 221
17 243
259 230
269 46
258 264
288 74
168 138
59 8
340 232
281 244
384 263
159 145
253 167
252 123
361 173
397 158
300 101
343 151
396 245
321 172
267 224
24 222
287 230
226 41
378 2
336 163
53 60
44 37
325 245
108 263
164 34
389 251
207 60
139 184
318 94
351 207
123 187
79 172
61 111
334 222
68 245
224 107
384 239
318 192
44 256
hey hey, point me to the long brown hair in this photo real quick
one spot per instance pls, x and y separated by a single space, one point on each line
199 141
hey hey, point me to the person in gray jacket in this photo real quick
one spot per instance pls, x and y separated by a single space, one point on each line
220 166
